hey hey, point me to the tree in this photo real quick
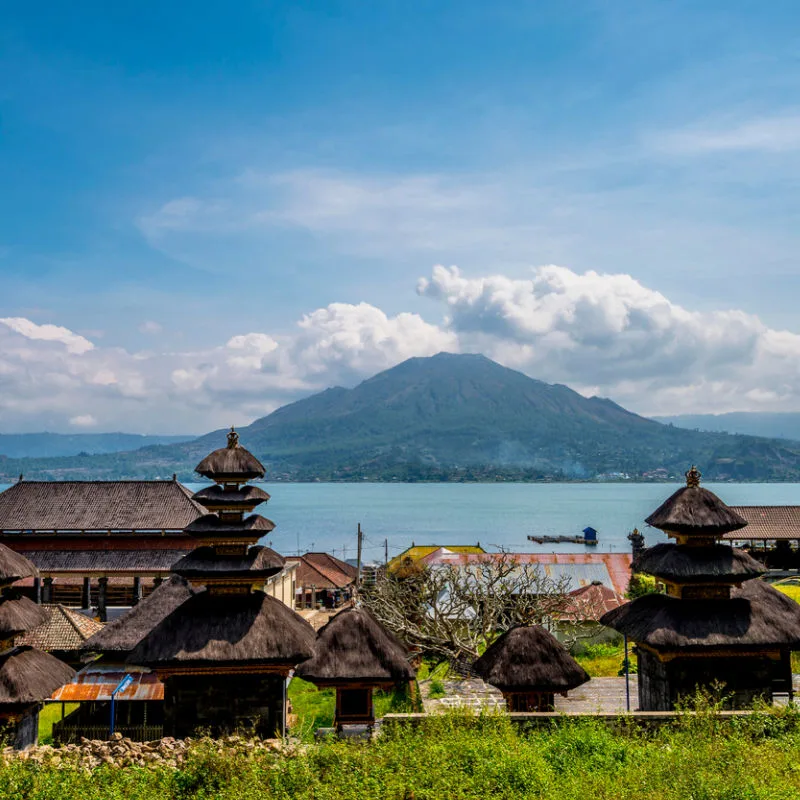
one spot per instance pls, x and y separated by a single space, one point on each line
451 612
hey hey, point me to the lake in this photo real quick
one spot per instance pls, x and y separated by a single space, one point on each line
324 516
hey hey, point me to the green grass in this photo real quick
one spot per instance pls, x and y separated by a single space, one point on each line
789 589
603 660
48 715
455 755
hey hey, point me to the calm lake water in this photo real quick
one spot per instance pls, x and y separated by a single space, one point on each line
323 516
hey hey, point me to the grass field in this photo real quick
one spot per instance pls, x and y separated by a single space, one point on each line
50 714
458 756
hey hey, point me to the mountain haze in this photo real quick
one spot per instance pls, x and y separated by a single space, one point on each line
775 425
453 417
50 445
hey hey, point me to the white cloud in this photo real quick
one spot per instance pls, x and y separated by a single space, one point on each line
83 421
48 333
776 134
150 327
600 333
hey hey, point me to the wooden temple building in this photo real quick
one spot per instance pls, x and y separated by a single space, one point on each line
530 667
27 676
97 544
717 621
225 652
355 654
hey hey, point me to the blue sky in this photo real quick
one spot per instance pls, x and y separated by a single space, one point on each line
178 175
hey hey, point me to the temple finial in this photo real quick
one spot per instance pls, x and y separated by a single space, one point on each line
233 438
693 476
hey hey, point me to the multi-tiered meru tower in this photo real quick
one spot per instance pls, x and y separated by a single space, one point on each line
225 653
717 621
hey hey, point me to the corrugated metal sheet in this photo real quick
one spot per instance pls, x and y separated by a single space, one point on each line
576 576
97 681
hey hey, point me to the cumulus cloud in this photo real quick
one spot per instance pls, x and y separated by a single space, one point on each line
604 334
150 327
609 333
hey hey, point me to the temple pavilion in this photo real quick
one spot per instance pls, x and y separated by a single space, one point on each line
355 654
27 676
717 621
530 667
225 653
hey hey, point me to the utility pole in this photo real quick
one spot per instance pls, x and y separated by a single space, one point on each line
358 558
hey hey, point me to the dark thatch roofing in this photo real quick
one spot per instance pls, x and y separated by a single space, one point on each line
231 463
30 676
105 561
694 510
688 564
124 633
756 616
530 659
246 497
64 629
355 647
204 562
97 506
14 566
19 614
211 525
237 629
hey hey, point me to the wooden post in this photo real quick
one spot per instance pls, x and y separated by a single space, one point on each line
313 595
102 598
137 590
358 558
37 590
47 590
86 593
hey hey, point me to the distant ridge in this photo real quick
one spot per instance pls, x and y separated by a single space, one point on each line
50 445
774 425
453 417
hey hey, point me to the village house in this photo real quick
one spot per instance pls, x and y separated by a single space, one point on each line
322 579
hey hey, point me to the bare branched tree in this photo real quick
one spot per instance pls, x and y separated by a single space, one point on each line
449 612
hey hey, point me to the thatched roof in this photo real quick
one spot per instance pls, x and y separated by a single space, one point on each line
97 506
530 659
694 510
259 562
13 566
232 463
19 614
211 526
30 676
355 648
124 633
64 629
689 564
216 497
756 616
103 562
238 629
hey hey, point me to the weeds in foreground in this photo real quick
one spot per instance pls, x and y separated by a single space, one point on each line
458 755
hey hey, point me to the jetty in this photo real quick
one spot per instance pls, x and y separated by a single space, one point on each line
589 538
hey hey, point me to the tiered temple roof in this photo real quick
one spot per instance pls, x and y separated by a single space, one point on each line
717 620
26 675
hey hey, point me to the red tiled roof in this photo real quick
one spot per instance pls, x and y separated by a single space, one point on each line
97 506
65 629
589 603
323 571
767 522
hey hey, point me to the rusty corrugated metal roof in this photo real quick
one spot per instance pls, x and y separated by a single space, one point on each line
97 681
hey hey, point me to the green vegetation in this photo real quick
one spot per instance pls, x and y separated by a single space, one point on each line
451 418
603 660
455 755
789 589
50 714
